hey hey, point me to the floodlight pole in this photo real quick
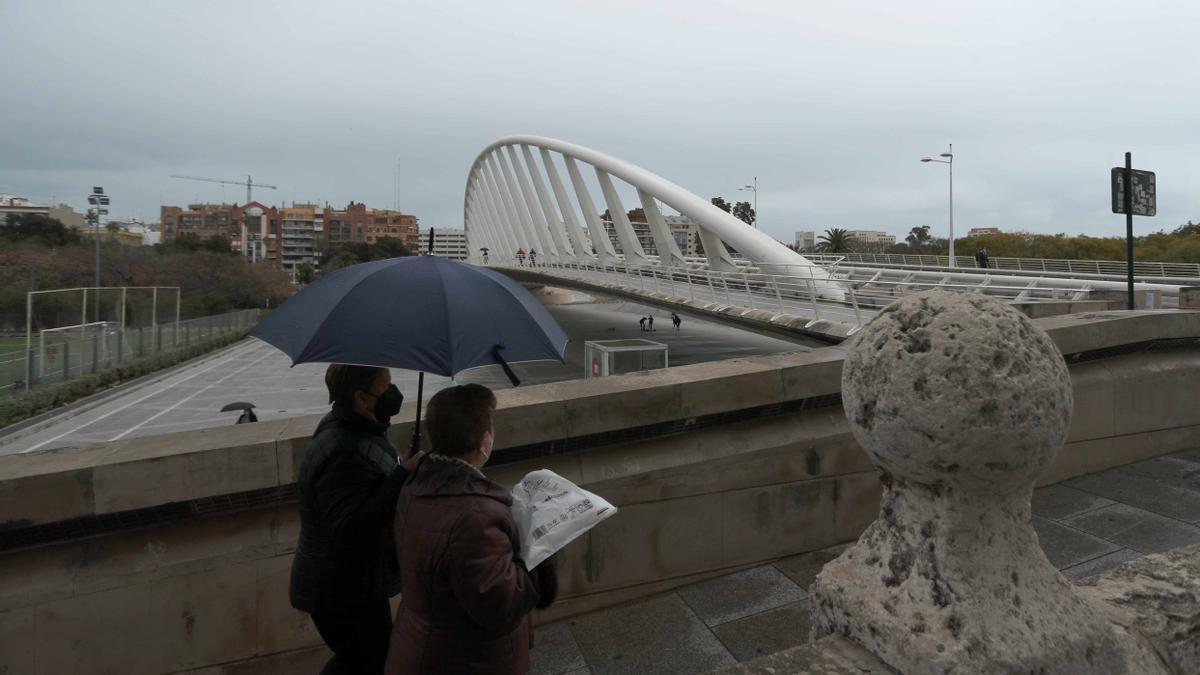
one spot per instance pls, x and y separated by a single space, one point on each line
28 340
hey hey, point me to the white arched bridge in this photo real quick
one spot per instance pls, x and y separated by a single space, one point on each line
516 199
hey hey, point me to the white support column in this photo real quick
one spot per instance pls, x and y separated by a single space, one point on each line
718 256
536 218
519 208
515 225
583 248
496 208
669 254
551 216
604 249
478 230
496 204
634 254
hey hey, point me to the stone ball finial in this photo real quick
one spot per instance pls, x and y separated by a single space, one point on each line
961 402
959 389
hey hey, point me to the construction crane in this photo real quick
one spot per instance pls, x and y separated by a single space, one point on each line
248 183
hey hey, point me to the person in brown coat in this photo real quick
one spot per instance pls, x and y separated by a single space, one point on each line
467 594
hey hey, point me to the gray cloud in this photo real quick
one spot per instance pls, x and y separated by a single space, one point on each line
829 104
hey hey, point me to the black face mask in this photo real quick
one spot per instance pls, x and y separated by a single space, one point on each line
388 403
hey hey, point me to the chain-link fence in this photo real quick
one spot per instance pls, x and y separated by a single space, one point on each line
56 356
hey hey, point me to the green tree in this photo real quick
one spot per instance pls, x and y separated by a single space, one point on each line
720 203
745 213
305 273
1185 230
835 240
38 229
918 236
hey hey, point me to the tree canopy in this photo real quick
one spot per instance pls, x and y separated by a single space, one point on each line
835 240
744 212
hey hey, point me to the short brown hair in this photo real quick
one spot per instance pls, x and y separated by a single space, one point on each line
458 417
343 379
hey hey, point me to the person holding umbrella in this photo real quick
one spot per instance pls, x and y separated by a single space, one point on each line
345 567
467 593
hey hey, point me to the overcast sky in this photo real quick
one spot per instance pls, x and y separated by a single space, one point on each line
829 104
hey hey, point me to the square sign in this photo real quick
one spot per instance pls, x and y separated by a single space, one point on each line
1144 203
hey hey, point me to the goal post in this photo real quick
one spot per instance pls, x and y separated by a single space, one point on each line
94 322
54 347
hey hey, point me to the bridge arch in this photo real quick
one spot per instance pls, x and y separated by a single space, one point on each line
507 205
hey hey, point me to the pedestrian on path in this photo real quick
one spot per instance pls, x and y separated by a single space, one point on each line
642 324
532 257
345 566
651 323
675 320
467 593
521 257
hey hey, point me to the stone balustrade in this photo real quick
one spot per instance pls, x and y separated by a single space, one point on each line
169 553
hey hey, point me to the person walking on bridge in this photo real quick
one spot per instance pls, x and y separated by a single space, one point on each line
467 593
345 567
521 257
532 257
675 320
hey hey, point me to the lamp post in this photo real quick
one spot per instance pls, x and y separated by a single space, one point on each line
98 201
948 159
753 188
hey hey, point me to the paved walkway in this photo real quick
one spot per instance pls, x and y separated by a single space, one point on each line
1086 525
191 397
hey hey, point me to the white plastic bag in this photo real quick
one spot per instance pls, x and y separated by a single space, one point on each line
551 512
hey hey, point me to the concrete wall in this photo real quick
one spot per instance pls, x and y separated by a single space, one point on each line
172 553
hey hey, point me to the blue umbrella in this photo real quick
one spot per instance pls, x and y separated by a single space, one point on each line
418 313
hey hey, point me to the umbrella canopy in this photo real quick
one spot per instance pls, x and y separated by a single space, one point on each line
237 405
417 313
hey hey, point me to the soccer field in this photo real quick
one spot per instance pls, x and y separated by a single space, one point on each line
12 344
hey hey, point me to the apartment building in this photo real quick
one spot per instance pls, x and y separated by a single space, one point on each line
448 243
806 240
872 237
291 235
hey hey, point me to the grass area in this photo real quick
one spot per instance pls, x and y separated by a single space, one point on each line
12 344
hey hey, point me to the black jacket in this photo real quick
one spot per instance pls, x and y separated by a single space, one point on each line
348 486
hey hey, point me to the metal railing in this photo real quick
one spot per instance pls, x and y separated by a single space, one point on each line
1048 265
67 356
805 291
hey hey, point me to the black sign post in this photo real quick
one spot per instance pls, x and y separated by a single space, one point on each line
1133 193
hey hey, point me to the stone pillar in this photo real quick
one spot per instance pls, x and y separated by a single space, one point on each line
961 402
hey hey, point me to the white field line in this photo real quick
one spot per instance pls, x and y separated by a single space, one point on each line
247 349
139 425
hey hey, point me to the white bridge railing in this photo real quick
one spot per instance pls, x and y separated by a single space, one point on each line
1049 265
798 292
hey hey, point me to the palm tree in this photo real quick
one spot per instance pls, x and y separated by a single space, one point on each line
835 240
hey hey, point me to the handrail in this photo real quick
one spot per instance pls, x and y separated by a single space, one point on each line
1099 267
794 292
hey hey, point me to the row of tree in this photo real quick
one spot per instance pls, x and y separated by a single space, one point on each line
1180 245
39 253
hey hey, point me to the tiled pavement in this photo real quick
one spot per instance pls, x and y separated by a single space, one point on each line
1086 525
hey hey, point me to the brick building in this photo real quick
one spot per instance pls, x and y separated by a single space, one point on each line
291 235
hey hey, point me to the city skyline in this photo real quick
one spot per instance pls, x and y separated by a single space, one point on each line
830 107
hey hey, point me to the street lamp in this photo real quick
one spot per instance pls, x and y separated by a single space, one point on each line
949 159
98 201
753 188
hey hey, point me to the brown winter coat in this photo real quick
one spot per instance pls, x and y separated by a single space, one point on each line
467 595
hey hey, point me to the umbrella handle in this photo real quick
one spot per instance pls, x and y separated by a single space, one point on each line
512 377
416 439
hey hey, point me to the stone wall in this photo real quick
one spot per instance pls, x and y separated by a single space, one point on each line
171 553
